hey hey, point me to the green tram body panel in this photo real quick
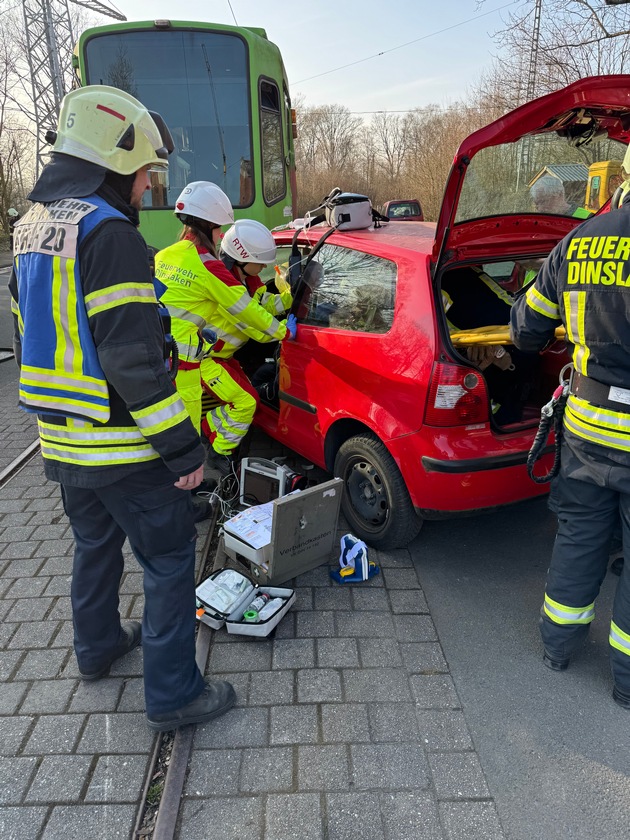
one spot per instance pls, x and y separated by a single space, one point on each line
195 77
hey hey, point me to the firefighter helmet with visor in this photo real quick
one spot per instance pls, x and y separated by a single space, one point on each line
111 128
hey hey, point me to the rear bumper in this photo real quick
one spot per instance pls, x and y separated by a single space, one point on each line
469 465
442 477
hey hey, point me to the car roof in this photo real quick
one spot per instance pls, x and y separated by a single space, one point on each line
412 236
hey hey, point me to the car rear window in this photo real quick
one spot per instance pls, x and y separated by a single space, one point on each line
539 174
404 208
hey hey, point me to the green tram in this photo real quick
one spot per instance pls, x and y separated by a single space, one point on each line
223 92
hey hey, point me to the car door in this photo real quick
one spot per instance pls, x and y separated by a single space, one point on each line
333 369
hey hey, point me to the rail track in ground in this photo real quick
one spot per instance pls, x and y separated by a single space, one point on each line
161 823
12 469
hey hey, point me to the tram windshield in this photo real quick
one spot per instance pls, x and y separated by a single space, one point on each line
199 82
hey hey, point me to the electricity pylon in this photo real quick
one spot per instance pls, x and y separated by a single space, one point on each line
526 142
49 47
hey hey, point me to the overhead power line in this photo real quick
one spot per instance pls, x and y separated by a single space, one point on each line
407 43
232 10
426 109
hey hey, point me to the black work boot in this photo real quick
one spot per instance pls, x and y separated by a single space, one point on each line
217 697
621 698
202 509
131 636
554 663
223 464
616 567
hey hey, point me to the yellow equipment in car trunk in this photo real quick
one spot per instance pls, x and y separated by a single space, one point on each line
489 335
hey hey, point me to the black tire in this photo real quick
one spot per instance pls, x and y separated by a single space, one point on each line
375 500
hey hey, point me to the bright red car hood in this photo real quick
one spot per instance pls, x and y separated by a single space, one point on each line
604 99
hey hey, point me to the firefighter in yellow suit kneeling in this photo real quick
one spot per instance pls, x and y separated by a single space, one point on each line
201 292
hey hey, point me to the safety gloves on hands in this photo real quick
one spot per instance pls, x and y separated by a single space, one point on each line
292 327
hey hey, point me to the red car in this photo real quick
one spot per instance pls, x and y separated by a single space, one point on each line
375 389
403 211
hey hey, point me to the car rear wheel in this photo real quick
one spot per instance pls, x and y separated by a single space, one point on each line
375 501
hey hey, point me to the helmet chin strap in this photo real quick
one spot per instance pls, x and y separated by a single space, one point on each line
230 263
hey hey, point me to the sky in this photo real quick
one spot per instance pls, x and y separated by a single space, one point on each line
316 37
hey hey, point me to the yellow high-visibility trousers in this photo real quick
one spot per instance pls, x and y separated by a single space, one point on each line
226 424
189 388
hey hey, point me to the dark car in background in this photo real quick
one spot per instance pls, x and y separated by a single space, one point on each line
403 211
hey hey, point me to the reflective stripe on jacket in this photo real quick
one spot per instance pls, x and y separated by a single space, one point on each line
585 285
92 337
277 304
201 291
60 371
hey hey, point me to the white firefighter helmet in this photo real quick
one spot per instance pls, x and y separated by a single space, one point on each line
12 212
109 127
248 241
204 200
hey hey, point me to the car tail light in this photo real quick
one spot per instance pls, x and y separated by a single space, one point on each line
457 396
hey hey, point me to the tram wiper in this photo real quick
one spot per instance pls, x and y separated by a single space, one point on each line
216 113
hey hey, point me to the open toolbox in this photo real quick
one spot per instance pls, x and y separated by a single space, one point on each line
227 595
294 533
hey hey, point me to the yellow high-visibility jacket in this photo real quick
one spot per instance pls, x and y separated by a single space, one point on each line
201 291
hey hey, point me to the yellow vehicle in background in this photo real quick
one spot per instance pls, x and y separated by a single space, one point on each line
604 177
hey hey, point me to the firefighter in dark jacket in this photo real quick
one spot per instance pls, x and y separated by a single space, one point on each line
113 431
585 285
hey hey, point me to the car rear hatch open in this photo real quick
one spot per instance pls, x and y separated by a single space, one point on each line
488 208
516 188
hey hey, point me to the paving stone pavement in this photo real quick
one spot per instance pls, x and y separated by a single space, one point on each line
73 755
17 428
347 725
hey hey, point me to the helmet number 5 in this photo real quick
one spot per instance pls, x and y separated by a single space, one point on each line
70 120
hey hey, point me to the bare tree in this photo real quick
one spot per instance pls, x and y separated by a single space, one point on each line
337 136
326 151
390 136
16 147
577 39
410 156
